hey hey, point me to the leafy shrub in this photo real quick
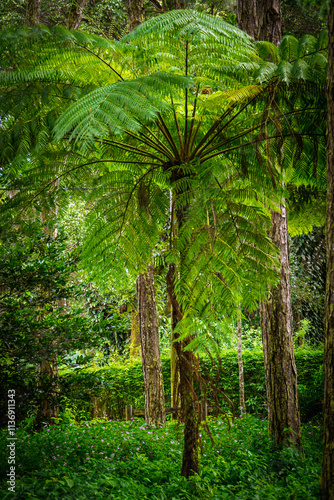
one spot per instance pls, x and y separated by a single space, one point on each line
106 391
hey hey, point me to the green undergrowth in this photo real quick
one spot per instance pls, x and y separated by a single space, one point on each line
130 461
105 391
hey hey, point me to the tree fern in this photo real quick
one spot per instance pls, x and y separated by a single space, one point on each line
139 123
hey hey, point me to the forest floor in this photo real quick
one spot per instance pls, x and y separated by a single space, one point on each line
131 461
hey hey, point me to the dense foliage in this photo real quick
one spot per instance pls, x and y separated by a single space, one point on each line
129 461
176 141
106 391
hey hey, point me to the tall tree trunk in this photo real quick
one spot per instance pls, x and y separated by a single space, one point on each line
135 13
75 14
241 368
33 12
327 473
48 384
189 404
279 358
176 316
135 334
48 378
149 336
276 314
261 19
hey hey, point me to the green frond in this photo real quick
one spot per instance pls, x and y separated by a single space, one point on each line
284 71
265 72
301 70
221 100
322 41
288 48
268 51
188 41
303 221
115 108
188 24
307 45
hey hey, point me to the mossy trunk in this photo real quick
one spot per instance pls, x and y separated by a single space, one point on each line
75 14
185 375
327 472
279 358
155 413
33 12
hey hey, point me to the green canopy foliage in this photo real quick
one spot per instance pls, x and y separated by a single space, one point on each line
184 125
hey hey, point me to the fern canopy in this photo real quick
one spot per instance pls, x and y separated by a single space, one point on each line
183 127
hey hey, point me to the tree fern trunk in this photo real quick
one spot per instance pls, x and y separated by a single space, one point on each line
279 358
189 407
33 12
155 413
327 473
190 414
174 358
75 14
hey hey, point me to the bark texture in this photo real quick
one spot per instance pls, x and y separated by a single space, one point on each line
261 19
48 384
264 16
33 12
135 335
241 369
279 358
155 413
327 473
75 14
176 316
189 402
135 12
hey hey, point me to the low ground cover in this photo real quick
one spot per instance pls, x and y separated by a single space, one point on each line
129 460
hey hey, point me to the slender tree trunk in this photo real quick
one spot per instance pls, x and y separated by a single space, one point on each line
189 405
241 368
75 14
135 335
48 384
261 19
149 335
176 316
48 378
135 13
279 358
33 12
174 372
327 473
